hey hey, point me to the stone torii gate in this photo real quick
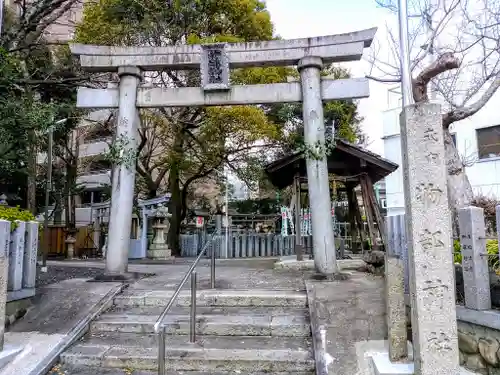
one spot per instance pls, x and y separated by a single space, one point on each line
215 62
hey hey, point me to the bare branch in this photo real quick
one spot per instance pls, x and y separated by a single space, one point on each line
461 113
384 80
445 62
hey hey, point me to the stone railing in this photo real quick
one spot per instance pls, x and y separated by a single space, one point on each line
18 259
477 285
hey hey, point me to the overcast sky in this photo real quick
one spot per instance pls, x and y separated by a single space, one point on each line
307 18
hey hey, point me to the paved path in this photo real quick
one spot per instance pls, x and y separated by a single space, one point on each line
352 311
234 274
57 310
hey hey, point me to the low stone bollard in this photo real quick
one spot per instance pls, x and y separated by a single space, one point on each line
475 269
4 271
18 255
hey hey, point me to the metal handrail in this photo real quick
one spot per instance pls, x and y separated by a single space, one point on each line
159 328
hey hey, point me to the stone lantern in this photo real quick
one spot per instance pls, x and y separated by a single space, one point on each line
159 248
70 246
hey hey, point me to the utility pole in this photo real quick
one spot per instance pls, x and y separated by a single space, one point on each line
227 213
48 189
404 53
1 16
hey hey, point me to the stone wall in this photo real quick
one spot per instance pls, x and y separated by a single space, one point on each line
479 348
479 344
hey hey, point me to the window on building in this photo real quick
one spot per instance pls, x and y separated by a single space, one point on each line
383 203
88 197
488 142
99 166
99 133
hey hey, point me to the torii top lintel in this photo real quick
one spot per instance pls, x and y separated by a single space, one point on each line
332 48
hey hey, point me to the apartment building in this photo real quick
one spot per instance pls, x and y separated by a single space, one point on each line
477 139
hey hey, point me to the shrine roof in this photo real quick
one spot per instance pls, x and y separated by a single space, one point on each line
346 160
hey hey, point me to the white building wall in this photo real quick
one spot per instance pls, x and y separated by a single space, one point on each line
484 175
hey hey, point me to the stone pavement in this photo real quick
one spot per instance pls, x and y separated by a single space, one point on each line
59 311
352 311
230 274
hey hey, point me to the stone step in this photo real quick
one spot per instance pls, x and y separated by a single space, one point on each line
87 370
212 310
283 298
211 324
232 354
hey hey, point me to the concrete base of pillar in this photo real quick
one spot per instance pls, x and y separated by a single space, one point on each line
299 252
120 277
159 252
291 262
381 365
8 354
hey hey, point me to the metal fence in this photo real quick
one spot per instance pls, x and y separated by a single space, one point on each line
475 251
249 244
243 245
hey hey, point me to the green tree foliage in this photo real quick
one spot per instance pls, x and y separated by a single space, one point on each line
343 114
14 213
37 86
196 142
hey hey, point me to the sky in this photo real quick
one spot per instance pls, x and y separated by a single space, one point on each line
309 18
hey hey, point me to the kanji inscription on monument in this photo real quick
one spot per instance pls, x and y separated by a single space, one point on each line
428 222
214 67
428 193
475 268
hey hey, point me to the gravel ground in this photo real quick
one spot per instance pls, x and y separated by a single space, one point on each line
55 274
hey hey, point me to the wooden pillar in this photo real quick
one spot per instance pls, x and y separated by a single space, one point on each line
352 207
369 213
357 216
375 208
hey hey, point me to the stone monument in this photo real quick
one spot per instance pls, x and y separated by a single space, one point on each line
214 61
429 234
475 268
159 248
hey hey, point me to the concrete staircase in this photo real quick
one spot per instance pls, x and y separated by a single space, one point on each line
238 332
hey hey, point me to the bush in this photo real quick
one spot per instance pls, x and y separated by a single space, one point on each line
457 252
15 213
488 204
491 250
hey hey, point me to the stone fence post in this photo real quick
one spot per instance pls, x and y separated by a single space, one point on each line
16 257
395 288
497 211
474 258
4 272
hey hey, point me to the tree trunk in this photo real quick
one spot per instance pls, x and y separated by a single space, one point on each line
71 173
152 193
176 211
174 186
59 206
459 188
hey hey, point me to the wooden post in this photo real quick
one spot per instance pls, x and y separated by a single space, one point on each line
376 209
351 205
357 215
369 213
